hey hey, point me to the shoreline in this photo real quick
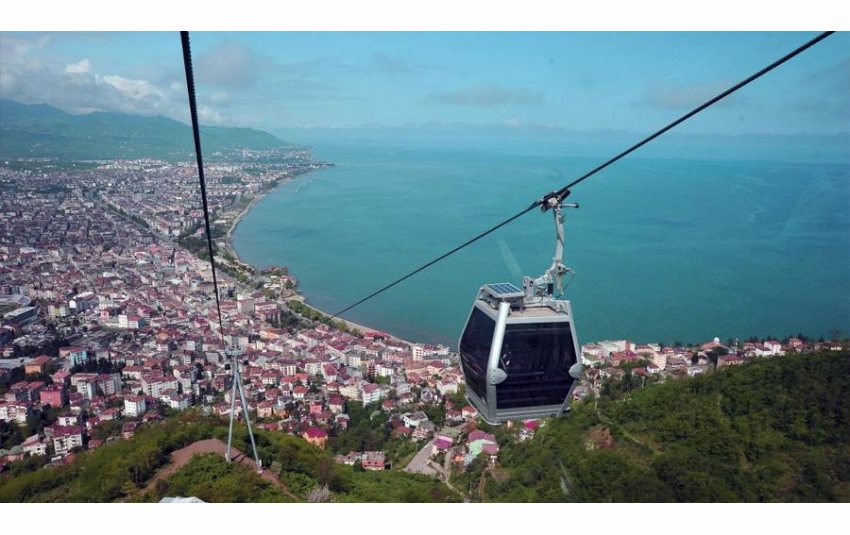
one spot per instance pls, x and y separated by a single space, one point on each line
229 247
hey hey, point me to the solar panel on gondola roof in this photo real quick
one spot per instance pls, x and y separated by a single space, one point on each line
504 289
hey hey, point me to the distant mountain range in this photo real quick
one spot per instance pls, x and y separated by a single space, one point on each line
42 131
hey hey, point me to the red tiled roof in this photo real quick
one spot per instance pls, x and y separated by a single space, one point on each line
315 432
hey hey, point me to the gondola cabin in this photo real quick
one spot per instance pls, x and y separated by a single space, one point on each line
518 354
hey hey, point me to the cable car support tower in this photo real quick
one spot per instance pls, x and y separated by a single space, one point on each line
237 387
233 352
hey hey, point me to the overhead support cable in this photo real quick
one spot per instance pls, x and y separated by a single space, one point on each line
237 386
196 132
560 194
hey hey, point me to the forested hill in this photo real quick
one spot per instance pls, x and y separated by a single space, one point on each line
772 430
42 131
126 470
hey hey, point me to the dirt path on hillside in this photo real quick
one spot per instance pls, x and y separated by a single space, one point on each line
621 429
213 445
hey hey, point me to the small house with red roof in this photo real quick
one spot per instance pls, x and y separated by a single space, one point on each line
441 443
37 365
317 437
53 395
373 460
729 360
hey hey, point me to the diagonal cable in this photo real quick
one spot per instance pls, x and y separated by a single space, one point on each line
683 118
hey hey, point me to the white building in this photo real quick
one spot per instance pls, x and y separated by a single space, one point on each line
288 369
384 371
414 419
592 354
371 393
134 406
446 387
613 346
34 446
350 391
67 438
312 366
156 386
401 388
14 412
353 359
176 401
87 388
774 347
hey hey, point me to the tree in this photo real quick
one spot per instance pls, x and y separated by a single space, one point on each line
10 435
459 397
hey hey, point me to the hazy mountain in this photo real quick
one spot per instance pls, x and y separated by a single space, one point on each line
40 130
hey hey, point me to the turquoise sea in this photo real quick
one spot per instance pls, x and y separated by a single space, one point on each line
664 249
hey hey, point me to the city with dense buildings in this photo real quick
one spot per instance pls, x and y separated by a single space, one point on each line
118 323
109 323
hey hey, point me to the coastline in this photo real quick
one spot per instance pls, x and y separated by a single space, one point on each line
228 246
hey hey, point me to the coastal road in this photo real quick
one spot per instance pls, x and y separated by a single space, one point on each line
419 464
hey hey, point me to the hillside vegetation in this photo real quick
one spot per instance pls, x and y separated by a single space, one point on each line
120 471
771 430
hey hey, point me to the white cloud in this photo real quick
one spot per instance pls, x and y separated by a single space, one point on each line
136 90
209 116
29 74
228 64
220 98
81 67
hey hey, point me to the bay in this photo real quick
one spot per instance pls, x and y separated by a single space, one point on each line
664 249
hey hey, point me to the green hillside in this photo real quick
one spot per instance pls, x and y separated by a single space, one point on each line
122 471
771 430
42 131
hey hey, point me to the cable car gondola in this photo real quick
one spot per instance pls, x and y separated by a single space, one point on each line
519 349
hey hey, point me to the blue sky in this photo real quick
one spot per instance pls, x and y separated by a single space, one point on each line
625 81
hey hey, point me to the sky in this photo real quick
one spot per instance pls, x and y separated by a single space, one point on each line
582 81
